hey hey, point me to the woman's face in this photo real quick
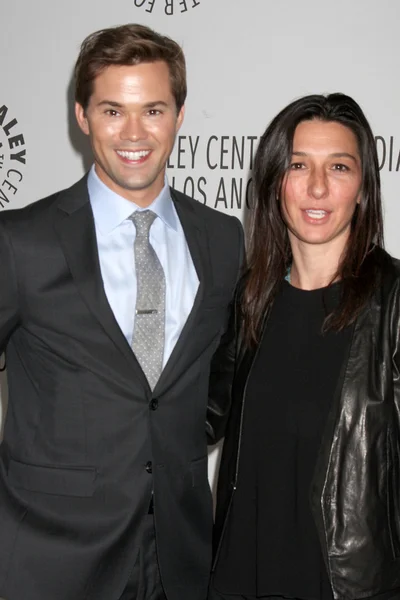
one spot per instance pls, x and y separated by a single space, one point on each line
322 187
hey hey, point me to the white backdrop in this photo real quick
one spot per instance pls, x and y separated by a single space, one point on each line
246 60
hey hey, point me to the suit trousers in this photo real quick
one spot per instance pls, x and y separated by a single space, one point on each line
145 581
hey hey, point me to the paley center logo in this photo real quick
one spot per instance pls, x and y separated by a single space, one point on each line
388 149
168 7
12 156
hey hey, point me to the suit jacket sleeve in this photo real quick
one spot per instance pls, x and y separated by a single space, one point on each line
9 311
223 365
221 379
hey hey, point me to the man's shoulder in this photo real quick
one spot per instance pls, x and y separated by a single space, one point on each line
40 209
204 212
30 210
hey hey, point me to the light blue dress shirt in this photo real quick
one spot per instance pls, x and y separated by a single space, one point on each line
116 234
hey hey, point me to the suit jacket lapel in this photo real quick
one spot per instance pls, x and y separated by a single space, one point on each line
75 227
197 240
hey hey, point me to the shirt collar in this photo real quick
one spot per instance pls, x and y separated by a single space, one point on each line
110 209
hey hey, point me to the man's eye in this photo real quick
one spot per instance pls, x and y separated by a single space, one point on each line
111 112
154 112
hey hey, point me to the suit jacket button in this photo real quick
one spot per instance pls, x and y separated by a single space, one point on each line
149 467
154 404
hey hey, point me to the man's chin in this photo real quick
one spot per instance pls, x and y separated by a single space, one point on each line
137 185
141 192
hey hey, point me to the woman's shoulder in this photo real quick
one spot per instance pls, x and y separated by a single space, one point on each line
388 265
387 278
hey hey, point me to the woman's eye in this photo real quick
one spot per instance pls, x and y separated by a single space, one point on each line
340 167
296 166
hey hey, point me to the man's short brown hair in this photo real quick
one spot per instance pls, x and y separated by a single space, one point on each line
126 45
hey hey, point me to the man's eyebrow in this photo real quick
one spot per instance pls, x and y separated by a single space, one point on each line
119 105
156 103
109 103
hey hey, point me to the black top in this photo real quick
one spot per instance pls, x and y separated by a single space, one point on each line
271 545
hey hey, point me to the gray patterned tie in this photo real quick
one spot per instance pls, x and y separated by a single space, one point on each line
149 329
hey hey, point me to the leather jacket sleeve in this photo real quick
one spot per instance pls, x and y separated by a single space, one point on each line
396 349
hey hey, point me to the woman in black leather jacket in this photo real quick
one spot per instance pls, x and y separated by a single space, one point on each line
308 502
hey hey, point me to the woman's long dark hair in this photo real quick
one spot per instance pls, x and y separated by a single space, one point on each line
269 253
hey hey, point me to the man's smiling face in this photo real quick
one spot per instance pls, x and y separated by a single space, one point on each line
132 122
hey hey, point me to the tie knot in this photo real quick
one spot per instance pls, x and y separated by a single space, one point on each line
143 220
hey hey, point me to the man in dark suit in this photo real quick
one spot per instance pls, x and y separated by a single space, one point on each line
114 295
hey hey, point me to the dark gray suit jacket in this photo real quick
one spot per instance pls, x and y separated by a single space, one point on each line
83 443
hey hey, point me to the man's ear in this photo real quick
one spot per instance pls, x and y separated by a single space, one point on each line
81 118
179 120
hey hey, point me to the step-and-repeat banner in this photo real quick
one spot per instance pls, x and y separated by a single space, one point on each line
246 59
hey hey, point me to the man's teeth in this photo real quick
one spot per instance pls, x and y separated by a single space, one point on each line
316 214
133 155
